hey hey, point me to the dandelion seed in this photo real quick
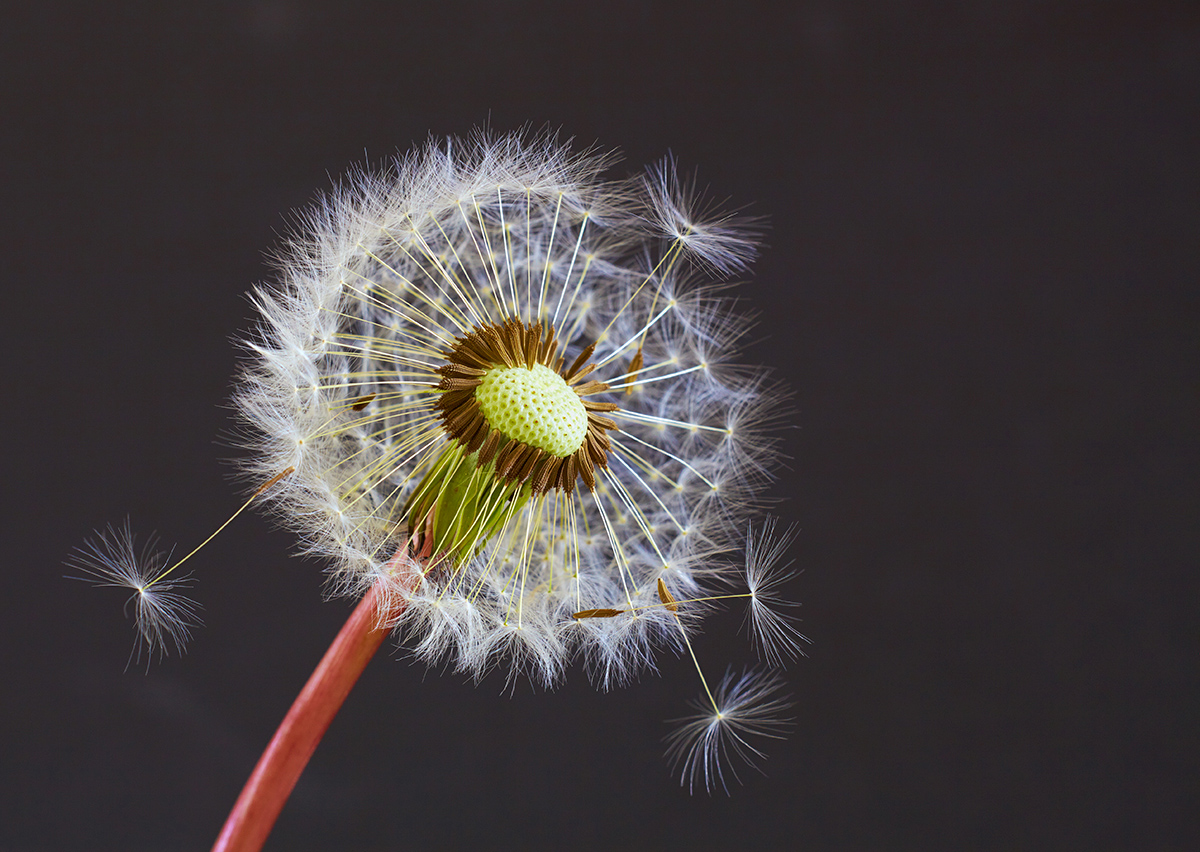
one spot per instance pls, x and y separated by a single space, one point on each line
774 633
162 615
724 242
725 731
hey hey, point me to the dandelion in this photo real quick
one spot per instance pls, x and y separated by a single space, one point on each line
492 358
506 395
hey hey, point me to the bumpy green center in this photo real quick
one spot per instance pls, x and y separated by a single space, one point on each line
534 406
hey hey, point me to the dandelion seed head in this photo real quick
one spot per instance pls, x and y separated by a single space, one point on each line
523 374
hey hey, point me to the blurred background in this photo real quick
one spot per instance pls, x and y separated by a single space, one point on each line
980 279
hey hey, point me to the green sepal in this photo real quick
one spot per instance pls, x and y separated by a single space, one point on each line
462 504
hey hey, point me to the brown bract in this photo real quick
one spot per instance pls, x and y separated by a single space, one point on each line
514 343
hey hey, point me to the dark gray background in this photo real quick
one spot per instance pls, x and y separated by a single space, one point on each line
980 280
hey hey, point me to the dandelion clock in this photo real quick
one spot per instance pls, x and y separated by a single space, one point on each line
500 395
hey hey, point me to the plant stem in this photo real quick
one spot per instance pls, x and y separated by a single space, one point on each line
280 766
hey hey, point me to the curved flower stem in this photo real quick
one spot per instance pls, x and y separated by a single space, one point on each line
280 766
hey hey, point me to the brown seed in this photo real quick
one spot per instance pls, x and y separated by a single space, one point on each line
665 596
596 613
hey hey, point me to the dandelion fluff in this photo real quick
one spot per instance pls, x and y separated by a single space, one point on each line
772 628
162 614
727 730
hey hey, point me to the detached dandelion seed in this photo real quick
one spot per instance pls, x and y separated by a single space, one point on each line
162 614
746 708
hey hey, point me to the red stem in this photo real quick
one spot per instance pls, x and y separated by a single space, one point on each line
280 766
